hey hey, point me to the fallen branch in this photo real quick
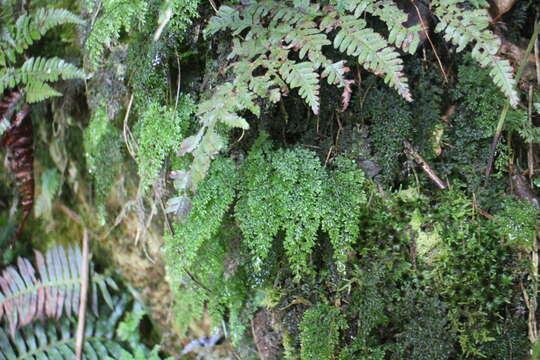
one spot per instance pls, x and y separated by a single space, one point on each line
441 184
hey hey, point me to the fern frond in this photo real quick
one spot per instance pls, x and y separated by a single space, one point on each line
25 297
373 52
34 74
462 27
393 17
29 28
55 339
304 77
115 16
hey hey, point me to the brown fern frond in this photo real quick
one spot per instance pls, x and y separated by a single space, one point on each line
18 139
8 104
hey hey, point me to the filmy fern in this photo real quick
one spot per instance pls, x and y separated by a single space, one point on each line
289 191
160 134
26 296
320 329
343 203
209 206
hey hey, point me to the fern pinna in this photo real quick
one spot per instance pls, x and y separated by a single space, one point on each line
18 139
26 296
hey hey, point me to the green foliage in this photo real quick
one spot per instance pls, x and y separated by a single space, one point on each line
20 33
103 151
209 206
55 339
473 272
35 73
128 332
343 202
183 13
427 334
160 132
473 125
464 27
320 332
280 191
110 17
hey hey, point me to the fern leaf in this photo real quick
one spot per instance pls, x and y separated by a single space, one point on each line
373 52
29 28
224 19
39 91
35 72
306 79
56 339
25 297
462 27
115 16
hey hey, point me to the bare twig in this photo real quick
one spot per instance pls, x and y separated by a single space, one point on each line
530 155
127 133
82 302
70 213
213 4
425 29
537 59
425 166
179 78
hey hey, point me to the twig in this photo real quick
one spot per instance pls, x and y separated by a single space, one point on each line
82 302
164 21
537 58
127 133
506 107
530 155
213 4
424 28
179 78
70 213
425 166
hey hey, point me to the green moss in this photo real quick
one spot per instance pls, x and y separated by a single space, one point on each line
103 150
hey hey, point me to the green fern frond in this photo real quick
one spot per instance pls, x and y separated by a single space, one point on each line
115 15
55 339
25 297
304 77
373 52
462 27
29 28
160 134
343 201
393 17
35 73
210 203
